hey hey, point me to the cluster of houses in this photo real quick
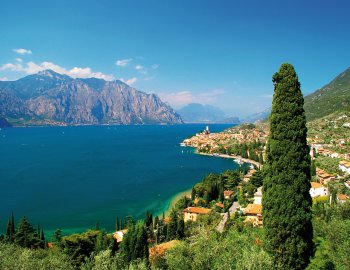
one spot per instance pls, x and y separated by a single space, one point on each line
344 166
212 141
324 177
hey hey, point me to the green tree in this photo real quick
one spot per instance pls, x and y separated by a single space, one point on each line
26 236
286 199
148 219
117 228
172 225
10 229
135 244
313 167
57 236
193 194
180 229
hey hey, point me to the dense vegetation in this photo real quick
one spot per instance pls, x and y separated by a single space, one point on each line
333 97
286 198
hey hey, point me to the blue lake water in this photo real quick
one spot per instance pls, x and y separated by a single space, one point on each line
73 177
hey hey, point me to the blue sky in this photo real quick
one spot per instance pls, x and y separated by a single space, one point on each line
222 52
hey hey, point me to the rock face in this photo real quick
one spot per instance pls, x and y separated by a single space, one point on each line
52 98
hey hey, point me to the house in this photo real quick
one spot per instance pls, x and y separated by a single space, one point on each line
317 189
228 194
191 213
323 177
342 198
119 235
253 213
347 184
258 196
220 205
344 166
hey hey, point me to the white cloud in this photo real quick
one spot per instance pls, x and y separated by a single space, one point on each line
130 81
155 66
123 62
22 51
141 69
181 98
4 79
13 67
75 72
19 60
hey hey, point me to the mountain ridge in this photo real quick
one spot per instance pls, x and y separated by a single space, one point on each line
52 98
334 96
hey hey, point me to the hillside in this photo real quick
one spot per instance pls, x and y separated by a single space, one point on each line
50 98
333 97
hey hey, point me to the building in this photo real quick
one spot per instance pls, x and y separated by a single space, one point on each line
317 189
220 205
253 213
347 184
344 166
258 196
342 198
119 235
191 213
228 194
323 177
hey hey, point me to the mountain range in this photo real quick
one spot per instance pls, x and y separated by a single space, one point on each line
199 113
50 98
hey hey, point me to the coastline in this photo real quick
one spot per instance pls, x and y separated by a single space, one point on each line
237 159
173 200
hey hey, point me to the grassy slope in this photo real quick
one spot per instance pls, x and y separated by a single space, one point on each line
333 97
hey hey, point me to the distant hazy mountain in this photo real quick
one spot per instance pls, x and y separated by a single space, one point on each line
4 123
257 116
333 97
199 113
52 98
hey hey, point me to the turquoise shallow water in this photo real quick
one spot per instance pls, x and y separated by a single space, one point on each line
73 177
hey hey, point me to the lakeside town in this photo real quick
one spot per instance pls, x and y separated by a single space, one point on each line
329 182
243 200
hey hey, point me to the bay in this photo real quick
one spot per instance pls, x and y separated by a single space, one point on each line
73 177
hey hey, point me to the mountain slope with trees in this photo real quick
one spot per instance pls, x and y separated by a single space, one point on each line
333 97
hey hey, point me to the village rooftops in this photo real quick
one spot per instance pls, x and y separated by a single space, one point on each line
221 205
197 210
253 209
228 194
342 197
315 185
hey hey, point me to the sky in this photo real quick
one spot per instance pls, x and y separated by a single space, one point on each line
221 53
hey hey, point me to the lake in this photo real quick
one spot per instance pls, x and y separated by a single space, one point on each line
73 177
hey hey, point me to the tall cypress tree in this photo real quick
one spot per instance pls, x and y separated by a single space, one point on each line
286 199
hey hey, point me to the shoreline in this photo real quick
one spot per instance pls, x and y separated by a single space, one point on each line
237 159
173 200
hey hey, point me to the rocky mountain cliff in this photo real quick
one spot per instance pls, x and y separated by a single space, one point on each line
50 98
